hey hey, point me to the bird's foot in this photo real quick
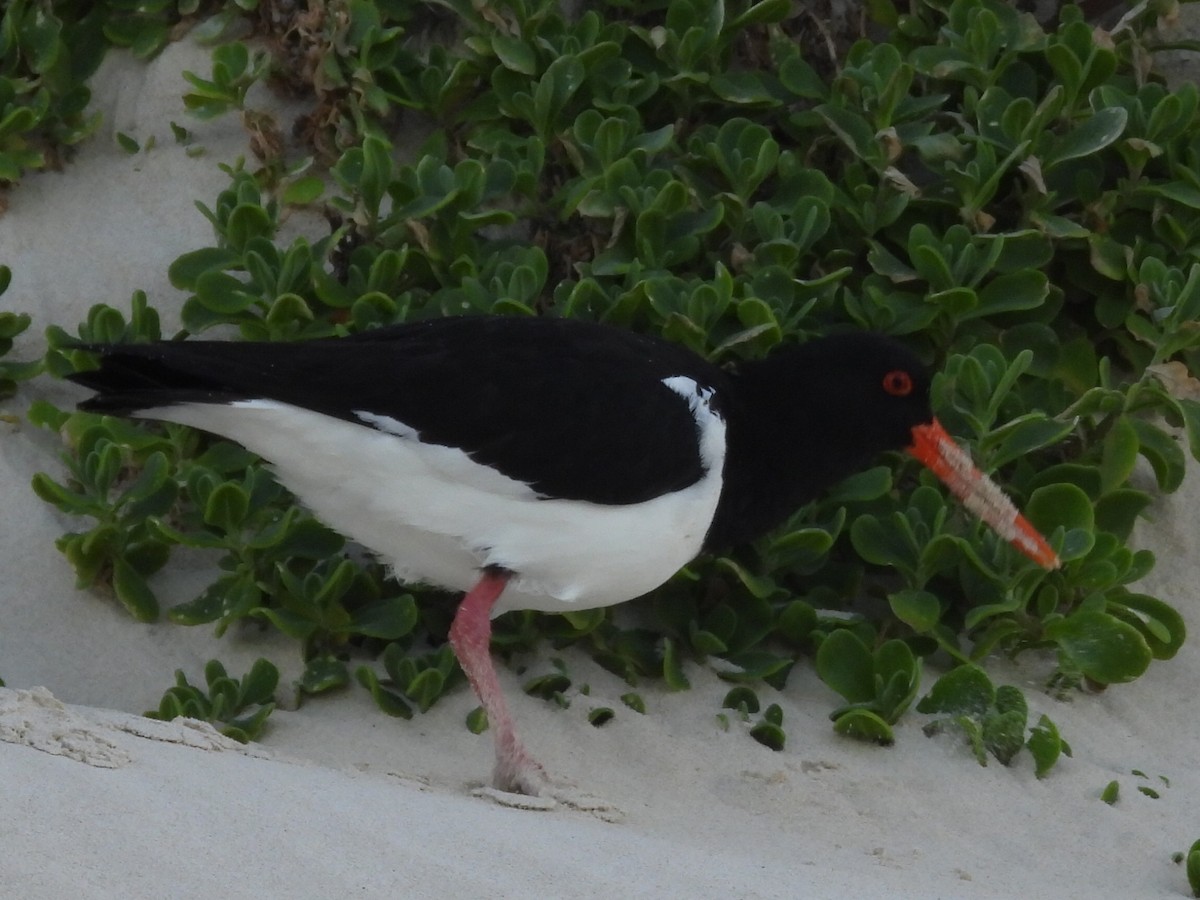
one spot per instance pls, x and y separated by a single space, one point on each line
553 797
526 785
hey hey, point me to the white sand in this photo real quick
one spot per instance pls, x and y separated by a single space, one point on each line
344 802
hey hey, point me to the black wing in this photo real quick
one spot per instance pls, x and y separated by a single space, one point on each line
577 410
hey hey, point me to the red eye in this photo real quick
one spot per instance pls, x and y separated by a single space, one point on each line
898 383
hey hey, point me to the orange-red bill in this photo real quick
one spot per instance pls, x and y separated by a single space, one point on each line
978 493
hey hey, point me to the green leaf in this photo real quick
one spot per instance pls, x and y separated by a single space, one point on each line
1012 292
323 674
845 664
222 294
769 735
797 621
634 702
1111 793
390 702
774 714
1060 505
1004 734
862 487
1161 625
376 171
50 491
207 607
1163 453
897 679
309 539
246 222
288 308
749 88
1117 511
258 685
800 549
1179 191
1023 435
477 721
227 507
759 665
1193 869
1098 132
128 144
514 54
1102 647
801 79
864 725
920 610
293 624
600 716
133 592
248 728
852 129
1045 746
426 688
303 191
1119 454
966 690
704 642
763 12
672 667
757 585
546 686
741 697
388 618
884 544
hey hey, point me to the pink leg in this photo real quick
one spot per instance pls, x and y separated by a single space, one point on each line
470 636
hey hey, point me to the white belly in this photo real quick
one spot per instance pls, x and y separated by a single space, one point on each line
438 517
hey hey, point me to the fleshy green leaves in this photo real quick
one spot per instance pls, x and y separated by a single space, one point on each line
769 730
1102 647
234 70
239 708
1192 867
46 57
410 679
11 325
919 610
1063 506
121 544
1011 201
993 720
879 685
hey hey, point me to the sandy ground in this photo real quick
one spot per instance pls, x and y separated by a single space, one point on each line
343 802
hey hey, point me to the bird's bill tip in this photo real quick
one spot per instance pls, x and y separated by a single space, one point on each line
978 493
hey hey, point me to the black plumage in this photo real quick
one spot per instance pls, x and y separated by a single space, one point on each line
576 410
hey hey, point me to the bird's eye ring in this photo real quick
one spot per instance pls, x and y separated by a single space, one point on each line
898 383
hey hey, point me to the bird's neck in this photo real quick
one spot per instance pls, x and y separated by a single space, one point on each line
782 449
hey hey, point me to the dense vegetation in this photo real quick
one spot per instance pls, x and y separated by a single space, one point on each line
1017 201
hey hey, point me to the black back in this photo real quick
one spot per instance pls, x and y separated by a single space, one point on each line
575 409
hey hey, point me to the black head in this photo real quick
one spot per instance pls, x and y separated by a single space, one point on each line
808 416
814 414
865 391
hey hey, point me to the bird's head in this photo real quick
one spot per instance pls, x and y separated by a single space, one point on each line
876 391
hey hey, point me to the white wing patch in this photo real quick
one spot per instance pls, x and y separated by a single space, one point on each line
388 424
709 424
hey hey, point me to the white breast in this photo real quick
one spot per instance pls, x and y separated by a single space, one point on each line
438 517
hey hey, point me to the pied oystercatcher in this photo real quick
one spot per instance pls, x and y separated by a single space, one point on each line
549 464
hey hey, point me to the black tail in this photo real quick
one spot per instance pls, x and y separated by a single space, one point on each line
134 377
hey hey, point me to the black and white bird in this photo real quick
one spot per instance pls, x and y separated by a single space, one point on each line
548 464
